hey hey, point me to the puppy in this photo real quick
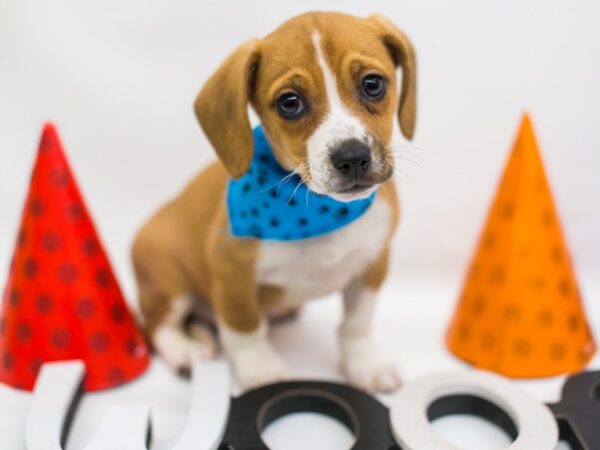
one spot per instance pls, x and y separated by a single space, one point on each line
325 89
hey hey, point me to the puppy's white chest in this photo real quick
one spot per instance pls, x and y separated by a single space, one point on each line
319 266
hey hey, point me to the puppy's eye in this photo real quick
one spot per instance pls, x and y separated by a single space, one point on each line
373 86
290 105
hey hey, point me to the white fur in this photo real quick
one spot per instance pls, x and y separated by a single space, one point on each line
254 360
362 362
312 268
180 349
338 125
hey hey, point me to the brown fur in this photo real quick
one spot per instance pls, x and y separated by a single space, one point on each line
186 247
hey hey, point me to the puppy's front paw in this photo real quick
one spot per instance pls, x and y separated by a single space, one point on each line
365 367
180 351
257 365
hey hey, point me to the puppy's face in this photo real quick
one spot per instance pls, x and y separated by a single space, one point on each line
324 87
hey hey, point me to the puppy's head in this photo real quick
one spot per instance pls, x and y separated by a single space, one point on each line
324 87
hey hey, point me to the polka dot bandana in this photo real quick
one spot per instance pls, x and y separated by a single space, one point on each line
269 203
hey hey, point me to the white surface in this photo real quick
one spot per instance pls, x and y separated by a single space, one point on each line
410 325
124 428
535 423
119 79
55 391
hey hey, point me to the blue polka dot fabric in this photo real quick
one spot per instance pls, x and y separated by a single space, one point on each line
267 203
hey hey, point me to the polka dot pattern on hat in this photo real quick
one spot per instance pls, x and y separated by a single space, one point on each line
62 300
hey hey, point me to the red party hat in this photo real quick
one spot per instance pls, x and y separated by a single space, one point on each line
62 300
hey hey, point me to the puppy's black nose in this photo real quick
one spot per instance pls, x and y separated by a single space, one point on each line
352 158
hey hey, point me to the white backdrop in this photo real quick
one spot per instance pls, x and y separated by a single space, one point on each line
119 78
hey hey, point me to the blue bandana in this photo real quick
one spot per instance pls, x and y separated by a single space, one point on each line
268 203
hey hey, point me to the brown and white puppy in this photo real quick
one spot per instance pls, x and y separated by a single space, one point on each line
324 87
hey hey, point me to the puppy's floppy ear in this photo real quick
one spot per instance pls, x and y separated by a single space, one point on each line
222 108
403 55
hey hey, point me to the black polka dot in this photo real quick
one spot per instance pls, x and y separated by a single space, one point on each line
343 212
36 207
265 205
323 209
118 313
75 212
103 278
45 144
292 202
22 237
523 347
511 312
51 242
497 275
464 332
8 361
85 308
274 222
35 365
24 332
489 241
564 287
478 305
44 303
59 178
67 273
302 221
548 217
133 347
556 254
273 193
60 338
99 342
255 231
90 247
14 298
254 212
545 317
557 351
243 214
573 322
246 187
31 268
487 341
507 210
264 158
262 180
116 374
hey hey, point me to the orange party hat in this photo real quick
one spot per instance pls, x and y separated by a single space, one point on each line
520 312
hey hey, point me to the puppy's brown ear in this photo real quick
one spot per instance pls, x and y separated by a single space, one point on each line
222 108
403 54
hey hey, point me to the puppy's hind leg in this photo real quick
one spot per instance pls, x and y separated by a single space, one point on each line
181 348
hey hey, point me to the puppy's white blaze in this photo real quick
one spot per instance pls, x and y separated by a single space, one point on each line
339 124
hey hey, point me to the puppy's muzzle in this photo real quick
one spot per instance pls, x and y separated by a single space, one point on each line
352 160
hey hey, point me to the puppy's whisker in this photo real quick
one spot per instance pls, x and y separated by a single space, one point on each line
300 183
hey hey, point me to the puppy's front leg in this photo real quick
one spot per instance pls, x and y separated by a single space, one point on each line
242 327
362 361
253 358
